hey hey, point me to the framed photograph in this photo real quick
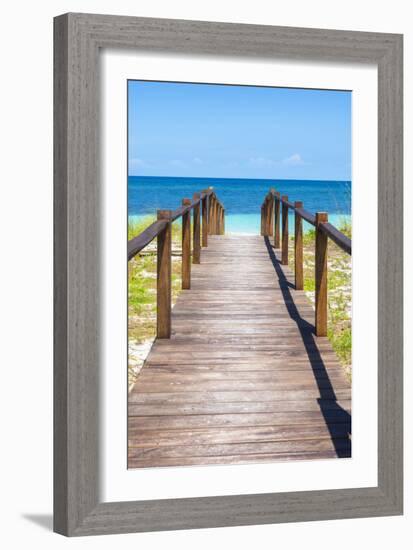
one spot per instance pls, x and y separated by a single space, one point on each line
228 274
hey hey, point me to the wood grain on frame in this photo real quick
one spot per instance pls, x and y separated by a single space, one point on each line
78 38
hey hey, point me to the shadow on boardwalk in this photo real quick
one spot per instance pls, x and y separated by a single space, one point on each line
319 370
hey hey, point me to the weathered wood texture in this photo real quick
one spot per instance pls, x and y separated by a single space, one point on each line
211 203
298 249
284 215
277 204
196 254
204 210
337 236
321 273
270 216
262 220
143 239
243 378
186 247
164 267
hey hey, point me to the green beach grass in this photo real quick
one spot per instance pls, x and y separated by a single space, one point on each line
142 294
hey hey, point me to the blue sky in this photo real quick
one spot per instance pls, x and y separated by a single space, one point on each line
203 130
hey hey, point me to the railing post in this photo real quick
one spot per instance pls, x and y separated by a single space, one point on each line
266 216
216 217
163 295
196 255
321 242
284 251
186 246
262 220
218 228
277 220
270 230
210 208
212 215
298 248
222 221
205 221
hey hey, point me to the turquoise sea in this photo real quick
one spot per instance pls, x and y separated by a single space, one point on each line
242 198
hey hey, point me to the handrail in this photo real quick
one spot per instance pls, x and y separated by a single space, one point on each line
337 236
275 207
288 203
219 202
207 193
180 212
139 242
307 216
183 209
330 230
208 219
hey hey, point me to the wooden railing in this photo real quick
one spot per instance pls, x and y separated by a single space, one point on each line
270 226
208 219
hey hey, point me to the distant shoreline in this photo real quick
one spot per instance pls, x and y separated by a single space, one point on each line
248 224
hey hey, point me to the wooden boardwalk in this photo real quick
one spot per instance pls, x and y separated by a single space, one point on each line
243 378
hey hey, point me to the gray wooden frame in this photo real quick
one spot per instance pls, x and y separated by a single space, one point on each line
78 39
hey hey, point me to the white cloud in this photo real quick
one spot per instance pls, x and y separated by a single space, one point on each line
293 160
265 162
197 160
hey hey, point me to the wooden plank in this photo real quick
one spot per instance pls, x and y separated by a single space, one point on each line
237 407
291 418
283 376
266 395
250 434
148 386
237 459
230 352
231 449
255 367
291 345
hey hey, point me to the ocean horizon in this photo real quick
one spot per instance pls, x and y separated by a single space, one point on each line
242 198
